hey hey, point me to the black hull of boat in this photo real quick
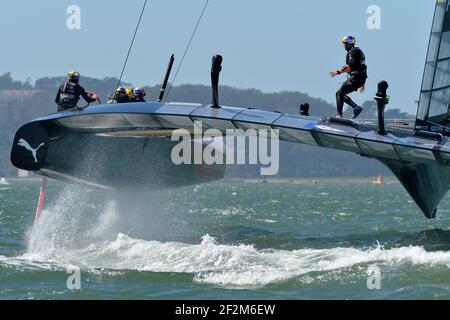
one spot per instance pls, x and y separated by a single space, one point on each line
129 145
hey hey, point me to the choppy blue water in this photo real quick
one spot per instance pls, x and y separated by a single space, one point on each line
226 240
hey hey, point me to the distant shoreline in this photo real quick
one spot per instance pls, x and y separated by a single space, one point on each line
313 181
304 181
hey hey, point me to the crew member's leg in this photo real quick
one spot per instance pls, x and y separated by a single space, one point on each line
350 102
349 86
341 96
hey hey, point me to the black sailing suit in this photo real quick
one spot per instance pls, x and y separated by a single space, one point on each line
356 60
118 97
69 94
137 99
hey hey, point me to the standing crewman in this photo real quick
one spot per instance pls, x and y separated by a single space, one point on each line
69 93
357 70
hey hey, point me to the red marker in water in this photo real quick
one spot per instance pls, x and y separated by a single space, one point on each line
41 200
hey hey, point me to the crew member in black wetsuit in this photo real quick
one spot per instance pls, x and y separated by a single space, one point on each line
357 70
119 96
69 93
138 95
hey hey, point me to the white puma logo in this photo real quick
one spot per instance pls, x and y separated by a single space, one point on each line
26 145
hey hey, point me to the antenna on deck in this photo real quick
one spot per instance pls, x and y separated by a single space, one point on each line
166 79
215 71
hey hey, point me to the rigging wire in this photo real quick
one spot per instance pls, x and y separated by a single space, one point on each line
132 43
186 50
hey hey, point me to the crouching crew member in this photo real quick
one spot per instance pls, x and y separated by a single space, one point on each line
138 95
119 96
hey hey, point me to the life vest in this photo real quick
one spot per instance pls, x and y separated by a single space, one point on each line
69 95
356 60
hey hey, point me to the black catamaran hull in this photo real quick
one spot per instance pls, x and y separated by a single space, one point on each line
129 145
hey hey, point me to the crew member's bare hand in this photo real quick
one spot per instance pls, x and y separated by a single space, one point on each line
333 74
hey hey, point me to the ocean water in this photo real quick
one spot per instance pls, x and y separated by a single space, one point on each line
348 239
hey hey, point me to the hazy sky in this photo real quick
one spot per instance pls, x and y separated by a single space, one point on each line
266 44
